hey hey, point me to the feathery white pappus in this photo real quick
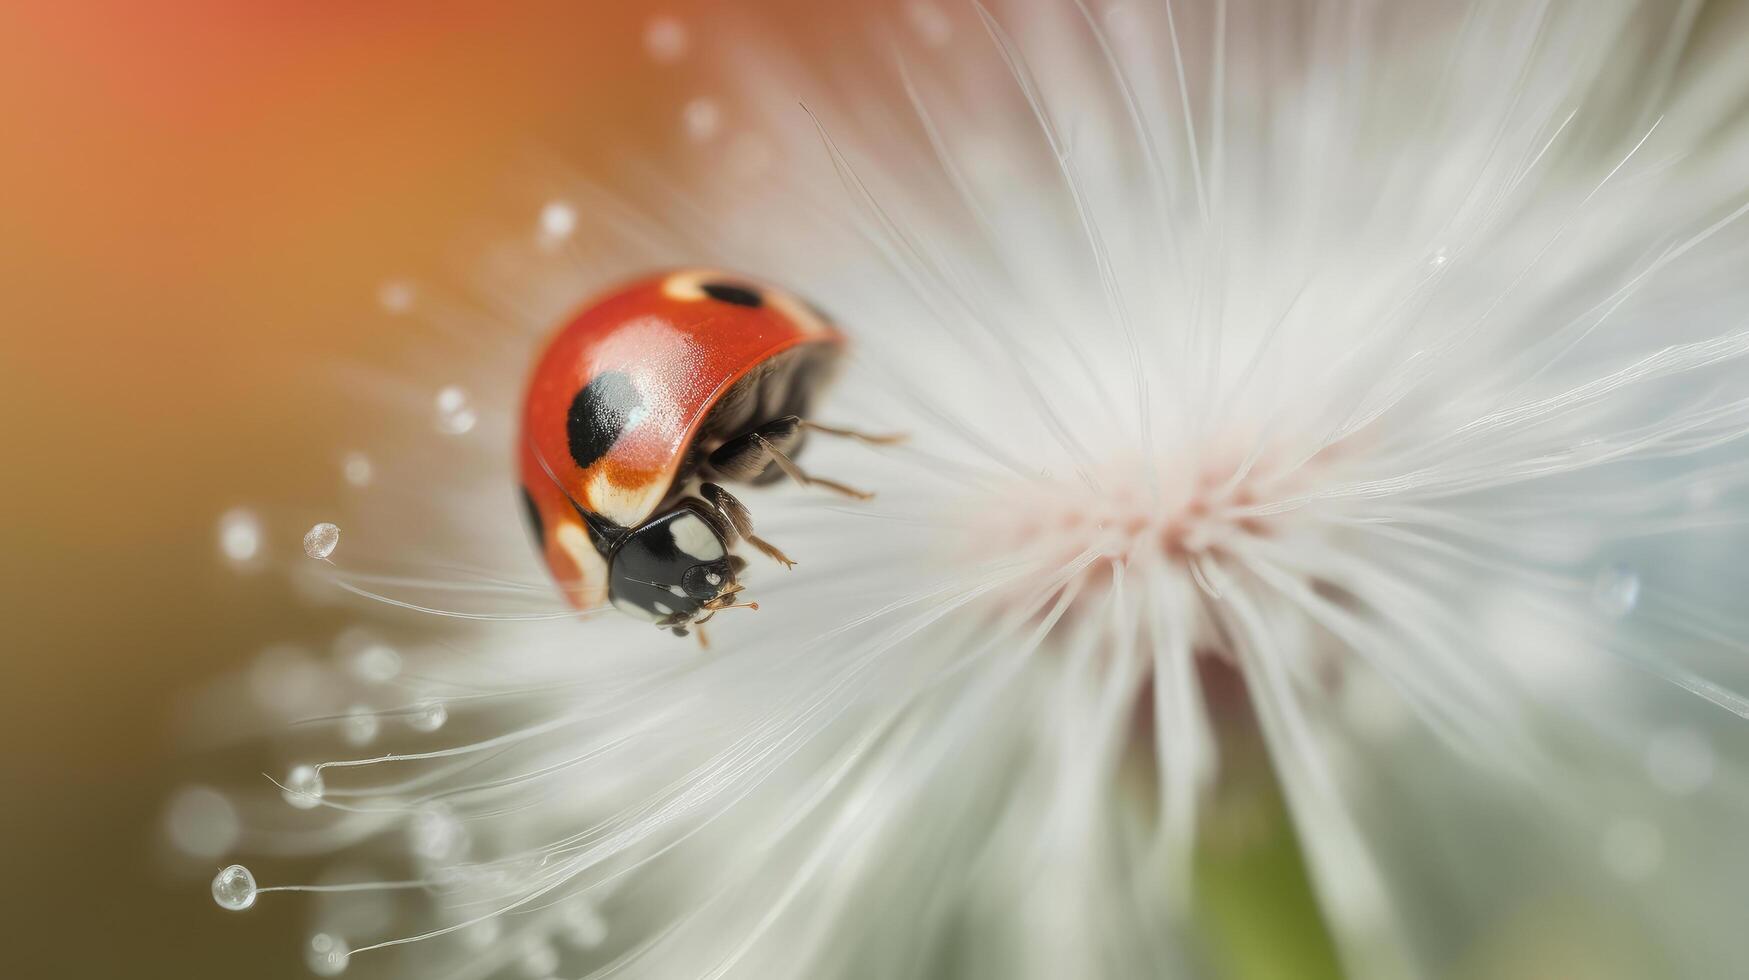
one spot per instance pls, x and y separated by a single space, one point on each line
1387 362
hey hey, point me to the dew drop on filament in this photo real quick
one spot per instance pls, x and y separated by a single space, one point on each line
428 716
321 540
303 788
327 955
234 888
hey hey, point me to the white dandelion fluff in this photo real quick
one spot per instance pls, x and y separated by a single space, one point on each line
1343 397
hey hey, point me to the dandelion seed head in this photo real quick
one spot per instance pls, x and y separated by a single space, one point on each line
1321 395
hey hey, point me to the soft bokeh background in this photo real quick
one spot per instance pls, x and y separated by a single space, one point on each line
198 202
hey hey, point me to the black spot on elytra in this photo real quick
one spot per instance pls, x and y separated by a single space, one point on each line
727 292
598 416
535 524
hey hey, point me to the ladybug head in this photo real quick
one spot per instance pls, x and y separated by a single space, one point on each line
675 569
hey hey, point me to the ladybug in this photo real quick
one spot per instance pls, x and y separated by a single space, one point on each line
638 411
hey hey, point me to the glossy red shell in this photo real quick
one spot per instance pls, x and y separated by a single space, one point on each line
681 350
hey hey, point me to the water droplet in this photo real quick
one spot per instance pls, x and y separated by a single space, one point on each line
1616 590
1680 761
377 663
540 959
396 296
557 220
303 788
234 888
931 25
321 539
701 119
239 535
455 411
361 725
201 822
358 470
327 955
436 833
584 926
428 716
665 39
1633 849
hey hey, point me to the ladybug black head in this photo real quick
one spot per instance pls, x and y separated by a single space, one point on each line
674 569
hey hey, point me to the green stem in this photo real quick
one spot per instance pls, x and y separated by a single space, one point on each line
1254 904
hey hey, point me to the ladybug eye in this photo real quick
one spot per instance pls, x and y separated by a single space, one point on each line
707 581
725 292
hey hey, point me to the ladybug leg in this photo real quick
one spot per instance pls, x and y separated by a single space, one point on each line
794 472
872 439
740 521
746 456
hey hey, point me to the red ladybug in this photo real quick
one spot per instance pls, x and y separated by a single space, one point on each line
638 406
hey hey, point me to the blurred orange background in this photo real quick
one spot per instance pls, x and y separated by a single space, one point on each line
198 201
